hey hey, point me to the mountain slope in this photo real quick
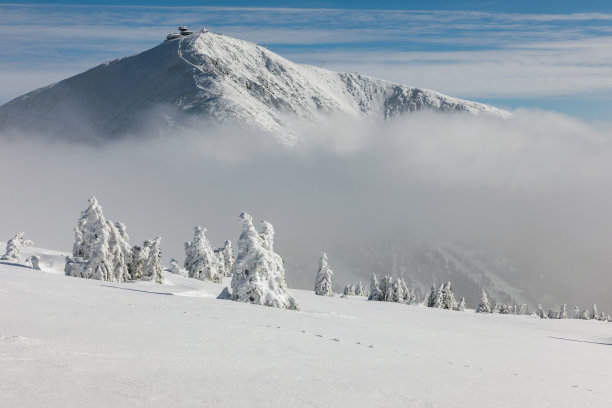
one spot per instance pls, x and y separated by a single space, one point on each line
70 342
208 76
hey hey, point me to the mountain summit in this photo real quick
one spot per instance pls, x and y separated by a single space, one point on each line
189 80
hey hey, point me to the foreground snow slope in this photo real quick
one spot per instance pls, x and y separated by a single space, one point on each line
208 76
69 342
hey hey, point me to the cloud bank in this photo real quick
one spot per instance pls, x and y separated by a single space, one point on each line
531 188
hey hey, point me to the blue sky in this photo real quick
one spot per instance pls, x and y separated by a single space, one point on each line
544 54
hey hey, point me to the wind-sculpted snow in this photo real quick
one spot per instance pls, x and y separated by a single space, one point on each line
187 82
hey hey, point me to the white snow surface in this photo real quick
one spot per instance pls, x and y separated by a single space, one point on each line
70 342
209 76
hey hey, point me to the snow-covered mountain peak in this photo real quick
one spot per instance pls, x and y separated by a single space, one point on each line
193 79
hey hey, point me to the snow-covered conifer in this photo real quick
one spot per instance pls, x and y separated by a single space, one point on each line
495 309
585 315
201 261
405 291
139 257
563 312
360 290
540 312
259 274
398 295
448 300
119 251
349 290
552 314
484 306
594 312
522 309
375 292
226 256
576 312
152 267
323 280
177 269
13 247
386 287
101 249
412 297
461 306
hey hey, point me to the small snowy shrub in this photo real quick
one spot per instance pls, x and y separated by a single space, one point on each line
13 247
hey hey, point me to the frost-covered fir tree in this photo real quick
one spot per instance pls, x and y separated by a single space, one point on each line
226 256
177 269
152 267
522 309
91 256
552 314
405 291
540 312
200 260
120 251
323 280
563 312
585 315
461 306
484 306
399 294
259 274
375 292
436 296
412 297
448 300
594 312
139 256
13 247
349 290
360 290
495 309
576 312
386 287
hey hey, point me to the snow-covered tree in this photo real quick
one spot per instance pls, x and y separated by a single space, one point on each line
13 247
349 290
375 292
540 312
484 306
398 292
152 267
461 306
360 290
594 312
576 312
495 309
563 312
552 314
323 280
177 269
101 249
259 274
139 256
226 256
448 300
405 291
412 297
585 315
201 261
434 299
120 251
522 309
